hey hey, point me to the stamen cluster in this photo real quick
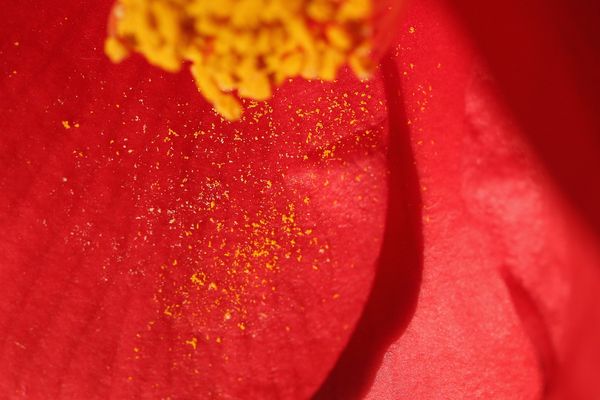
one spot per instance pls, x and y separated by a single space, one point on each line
244 48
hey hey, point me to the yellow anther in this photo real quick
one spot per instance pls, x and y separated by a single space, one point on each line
354 10
360 61
247 14
115 50
338 37
255 85
331 62
321 10
244 48
225 104
290 65
224 80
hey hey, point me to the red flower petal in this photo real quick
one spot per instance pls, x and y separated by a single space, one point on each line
555 93
149 249
546 57
499 246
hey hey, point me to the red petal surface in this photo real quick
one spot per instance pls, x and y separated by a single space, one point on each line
546 56
504 260
149 249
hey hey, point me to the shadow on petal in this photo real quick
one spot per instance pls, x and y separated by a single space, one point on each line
393 297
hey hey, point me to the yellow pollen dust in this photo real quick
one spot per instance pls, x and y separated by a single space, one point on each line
242 49
192 342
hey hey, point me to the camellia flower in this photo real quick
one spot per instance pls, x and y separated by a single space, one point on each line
429 232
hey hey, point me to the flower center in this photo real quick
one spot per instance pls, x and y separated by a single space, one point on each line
244 48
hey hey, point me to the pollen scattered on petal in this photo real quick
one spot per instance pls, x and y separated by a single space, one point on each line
243 49
193 342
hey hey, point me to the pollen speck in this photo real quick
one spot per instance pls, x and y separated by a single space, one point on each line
192 342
